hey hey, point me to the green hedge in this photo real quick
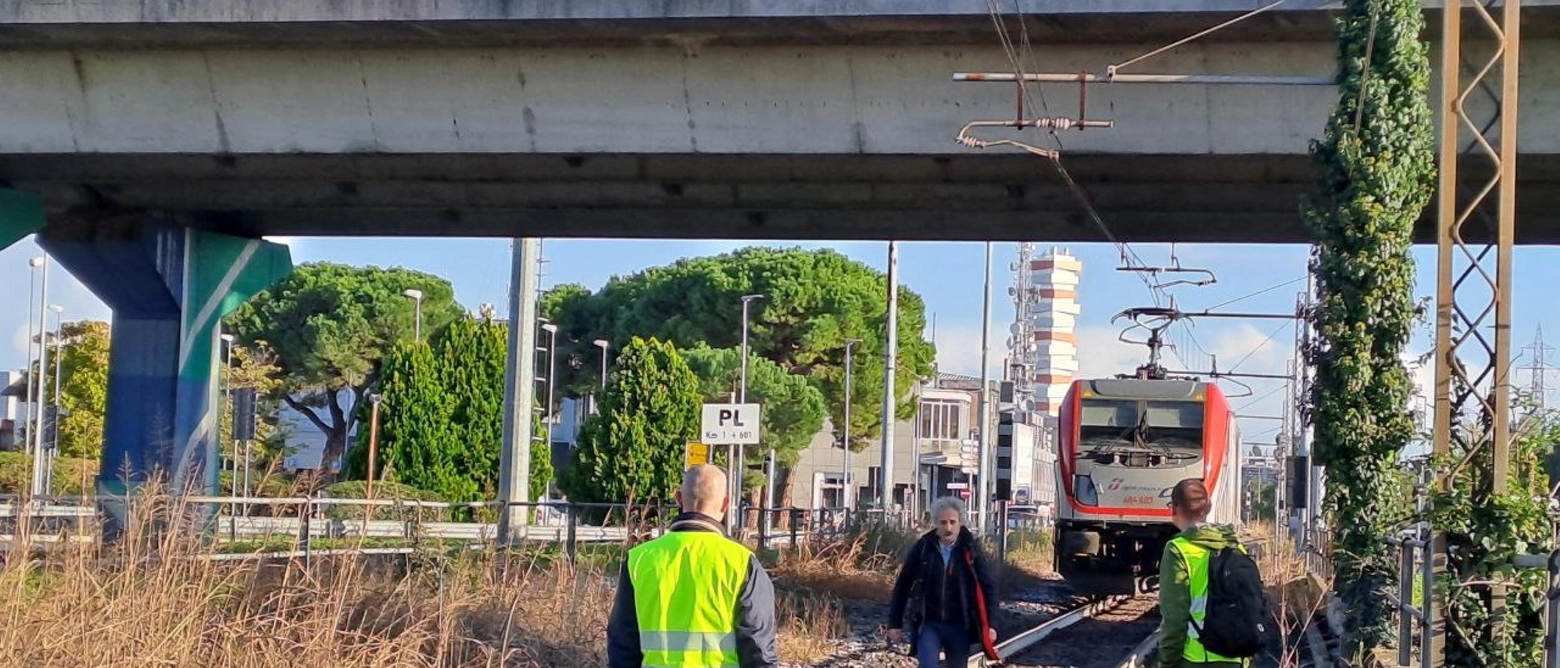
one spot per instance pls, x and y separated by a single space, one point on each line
16 475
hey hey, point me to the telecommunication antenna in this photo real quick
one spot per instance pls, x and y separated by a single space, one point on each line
1537 368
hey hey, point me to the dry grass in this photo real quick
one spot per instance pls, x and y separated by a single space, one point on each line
153 601
810 626
1296 595
860 567
128 609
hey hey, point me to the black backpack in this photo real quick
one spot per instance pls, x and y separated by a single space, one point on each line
1237 623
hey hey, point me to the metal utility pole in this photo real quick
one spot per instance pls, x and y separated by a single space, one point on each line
40 485
1473 365
849 479
890 363
983 468
519 389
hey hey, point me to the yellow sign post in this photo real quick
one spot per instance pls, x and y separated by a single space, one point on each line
698 453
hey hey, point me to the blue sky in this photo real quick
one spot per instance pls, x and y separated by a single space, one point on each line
947 275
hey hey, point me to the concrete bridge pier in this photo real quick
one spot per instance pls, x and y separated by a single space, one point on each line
169 286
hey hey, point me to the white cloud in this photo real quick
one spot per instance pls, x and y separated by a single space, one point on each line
1247 348
958 348
1101 353
18 337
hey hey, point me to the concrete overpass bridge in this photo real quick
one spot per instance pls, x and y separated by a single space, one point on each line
158 139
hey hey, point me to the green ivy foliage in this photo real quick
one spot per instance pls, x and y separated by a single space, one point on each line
1484 532
1378 159
633 450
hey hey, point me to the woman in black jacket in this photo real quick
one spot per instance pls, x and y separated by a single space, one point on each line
943 594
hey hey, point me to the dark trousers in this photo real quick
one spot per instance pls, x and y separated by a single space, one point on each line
952 640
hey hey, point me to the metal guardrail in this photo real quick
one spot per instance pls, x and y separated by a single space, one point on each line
305 519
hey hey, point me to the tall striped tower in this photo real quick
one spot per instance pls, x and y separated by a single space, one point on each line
1045 338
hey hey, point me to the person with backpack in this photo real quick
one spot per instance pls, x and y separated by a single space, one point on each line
1211 604
943 599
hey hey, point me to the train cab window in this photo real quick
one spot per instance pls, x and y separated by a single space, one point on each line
1109 425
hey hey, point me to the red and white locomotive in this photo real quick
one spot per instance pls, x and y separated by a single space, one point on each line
1123 444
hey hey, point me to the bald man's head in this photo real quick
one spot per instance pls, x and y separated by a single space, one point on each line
704 491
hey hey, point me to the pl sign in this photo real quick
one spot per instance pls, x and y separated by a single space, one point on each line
729 424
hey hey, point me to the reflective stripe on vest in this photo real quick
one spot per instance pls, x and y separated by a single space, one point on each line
1197 559
686 586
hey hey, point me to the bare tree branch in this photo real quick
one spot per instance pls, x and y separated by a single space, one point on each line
306 412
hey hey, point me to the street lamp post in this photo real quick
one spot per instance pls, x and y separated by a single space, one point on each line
59 373
417 298
769 469
552 370
603 345
39 483
849 484
32 301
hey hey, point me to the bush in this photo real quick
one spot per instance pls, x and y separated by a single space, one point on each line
16 475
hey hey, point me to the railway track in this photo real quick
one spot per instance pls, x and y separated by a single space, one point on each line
1114 632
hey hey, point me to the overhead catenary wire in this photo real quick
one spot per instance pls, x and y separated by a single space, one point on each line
1258 293
1114 68
1259 346
1259 399
1128 255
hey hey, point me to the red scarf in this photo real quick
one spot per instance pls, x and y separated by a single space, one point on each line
980 606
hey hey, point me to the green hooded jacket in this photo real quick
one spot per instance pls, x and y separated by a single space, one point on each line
1175 592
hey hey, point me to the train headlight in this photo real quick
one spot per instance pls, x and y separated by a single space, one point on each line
1085 491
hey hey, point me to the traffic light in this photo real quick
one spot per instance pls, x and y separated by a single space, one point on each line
244 414
1004 472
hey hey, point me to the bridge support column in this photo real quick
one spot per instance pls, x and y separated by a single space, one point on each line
169 287
21 214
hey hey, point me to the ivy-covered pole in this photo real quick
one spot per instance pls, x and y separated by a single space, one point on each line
1378 156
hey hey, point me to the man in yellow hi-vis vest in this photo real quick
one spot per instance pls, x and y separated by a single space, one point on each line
1183 578
694 598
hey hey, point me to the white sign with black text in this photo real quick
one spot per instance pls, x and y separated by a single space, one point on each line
729 424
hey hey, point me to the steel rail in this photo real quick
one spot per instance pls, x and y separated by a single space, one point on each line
1023 641
1142 655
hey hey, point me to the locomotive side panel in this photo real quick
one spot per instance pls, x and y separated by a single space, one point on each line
1226 496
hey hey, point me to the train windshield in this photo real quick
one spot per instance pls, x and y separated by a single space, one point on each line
1112 424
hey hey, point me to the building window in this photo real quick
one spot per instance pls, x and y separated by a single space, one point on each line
940 420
